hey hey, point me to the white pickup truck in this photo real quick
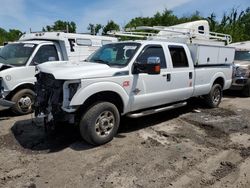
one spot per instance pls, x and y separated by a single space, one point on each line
133 78
18 61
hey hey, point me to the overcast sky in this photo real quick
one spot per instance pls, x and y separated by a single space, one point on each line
25 14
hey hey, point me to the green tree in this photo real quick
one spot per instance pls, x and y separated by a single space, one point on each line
246 23
8 36
14 34
94 28
111 25
60 25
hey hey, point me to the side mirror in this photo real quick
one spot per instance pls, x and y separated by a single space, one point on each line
153 65
34 63
51 59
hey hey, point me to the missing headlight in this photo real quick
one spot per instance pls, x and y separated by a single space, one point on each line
73 87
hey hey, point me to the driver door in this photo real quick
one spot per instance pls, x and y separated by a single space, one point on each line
150 90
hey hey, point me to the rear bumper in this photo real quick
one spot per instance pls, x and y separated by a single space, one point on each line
4 104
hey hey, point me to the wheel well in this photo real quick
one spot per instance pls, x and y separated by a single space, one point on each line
24 86
220 81
108 96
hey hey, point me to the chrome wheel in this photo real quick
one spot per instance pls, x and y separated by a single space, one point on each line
216 96
25 103
104 123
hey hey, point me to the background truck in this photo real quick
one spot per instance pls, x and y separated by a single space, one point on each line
18 61
134 78
241 76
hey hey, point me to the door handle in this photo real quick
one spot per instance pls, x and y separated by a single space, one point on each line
190 75
168 77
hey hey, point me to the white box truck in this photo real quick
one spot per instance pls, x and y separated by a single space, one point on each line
18 61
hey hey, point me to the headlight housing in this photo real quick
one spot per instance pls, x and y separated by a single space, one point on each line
69 90
241 72
73 87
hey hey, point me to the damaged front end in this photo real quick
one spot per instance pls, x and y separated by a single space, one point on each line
53 98
49 97
4 104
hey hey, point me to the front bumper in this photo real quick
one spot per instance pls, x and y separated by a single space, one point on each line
239 83
4 104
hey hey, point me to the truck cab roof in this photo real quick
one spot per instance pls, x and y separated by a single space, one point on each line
37 42
62 36
242 46
152 42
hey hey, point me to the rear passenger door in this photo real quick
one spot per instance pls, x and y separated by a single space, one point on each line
182 73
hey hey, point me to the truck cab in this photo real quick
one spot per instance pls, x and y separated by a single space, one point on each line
18 61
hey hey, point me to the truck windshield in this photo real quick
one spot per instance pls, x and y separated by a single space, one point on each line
115 54
242 55
16 54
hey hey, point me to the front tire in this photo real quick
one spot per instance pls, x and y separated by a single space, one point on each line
214 97
24 99
246 90
100 123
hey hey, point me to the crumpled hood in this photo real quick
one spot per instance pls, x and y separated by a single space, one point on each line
69 70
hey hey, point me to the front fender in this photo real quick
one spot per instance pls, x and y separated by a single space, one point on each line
84 93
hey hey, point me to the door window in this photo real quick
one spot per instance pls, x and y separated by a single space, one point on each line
46 53
152 51
179 57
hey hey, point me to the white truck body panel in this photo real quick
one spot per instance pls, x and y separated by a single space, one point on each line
210 54
78 46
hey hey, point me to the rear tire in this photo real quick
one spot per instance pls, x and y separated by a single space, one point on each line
24 99
214 97
100 123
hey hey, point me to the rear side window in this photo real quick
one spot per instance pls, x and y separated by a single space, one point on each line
179 57
84 42
201 29
152 51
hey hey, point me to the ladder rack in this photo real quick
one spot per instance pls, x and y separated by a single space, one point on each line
172 33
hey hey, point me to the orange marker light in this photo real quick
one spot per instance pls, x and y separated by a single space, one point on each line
157 68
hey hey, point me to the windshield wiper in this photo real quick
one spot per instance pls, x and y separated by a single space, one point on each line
101 61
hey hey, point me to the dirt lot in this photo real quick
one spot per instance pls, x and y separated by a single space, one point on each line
189 147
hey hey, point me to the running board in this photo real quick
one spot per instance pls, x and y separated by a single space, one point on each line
156 110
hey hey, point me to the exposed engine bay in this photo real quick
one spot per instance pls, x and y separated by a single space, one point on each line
49 95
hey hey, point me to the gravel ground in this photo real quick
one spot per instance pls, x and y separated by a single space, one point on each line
187 147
